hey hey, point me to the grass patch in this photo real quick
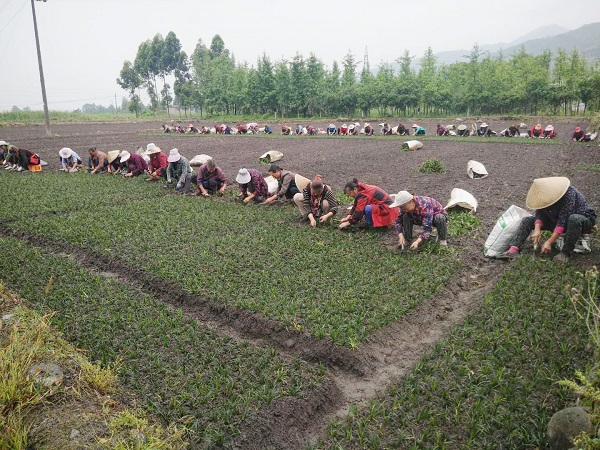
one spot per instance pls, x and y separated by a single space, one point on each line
492 381
432 166
588 167
27 337
181 371
257 259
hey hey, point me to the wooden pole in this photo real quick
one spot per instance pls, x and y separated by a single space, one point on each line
39 54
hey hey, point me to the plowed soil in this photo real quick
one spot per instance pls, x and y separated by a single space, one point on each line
512 165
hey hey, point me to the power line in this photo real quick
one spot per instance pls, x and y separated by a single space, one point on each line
2 8
110 98
11 19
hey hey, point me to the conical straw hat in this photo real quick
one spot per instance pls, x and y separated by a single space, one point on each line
112 155
546 191
301 182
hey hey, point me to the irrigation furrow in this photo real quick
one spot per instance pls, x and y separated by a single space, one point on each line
398 347
238 324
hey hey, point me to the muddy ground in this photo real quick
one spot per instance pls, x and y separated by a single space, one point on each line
392 351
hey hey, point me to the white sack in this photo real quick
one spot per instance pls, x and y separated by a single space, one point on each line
476 170
272 184
412 145
507 225
462 198
271 156
199 160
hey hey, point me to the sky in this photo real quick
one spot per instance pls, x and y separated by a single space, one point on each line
84 42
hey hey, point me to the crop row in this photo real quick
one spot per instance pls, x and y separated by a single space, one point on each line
181 370
335 285
492 383
30 195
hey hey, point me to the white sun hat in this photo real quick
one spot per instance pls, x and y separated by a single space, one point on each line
243 176
65 152
401 198
174 155
484 125
3 143
152 148
545 192
476 170
462 198
549 128
125 155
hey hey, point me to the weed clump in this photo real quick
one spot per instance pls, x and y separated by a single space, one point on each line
432 166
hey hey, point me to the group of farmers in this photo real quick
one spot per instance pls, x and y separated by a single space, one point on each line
559 207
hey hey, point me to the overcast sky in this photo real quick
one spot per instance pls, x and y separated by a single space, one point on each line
85 42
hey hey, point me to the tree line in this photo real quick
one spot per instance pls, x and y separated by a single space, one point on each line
211 82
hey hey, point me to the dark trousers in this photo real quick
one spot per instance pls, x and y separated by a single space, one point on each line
292 190
94 162
440 222
23 159
211 186
577 225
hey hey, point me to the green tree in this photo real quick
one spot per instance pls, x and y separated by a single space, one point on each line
348 100
131 81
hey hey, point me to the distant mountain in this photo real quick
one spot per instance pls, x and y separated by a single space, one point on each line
539 33
550 37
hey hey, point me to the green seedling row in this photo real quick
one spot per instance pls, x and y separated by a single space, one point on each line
333 284
184 372
491 384
28 195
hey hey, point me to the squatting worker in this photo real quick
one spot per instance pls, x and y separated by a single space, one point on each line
559 208
114 162
580 136
158 162
9 155
210 179
316 202
370 202
136 164
253 186
98 161
287 184
419 210
69 160
179 168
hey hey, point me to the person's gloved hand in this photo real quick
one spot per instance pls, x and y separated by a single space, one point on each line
178 186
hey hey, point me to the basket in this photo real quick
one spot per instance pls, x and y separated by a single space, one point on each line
35 167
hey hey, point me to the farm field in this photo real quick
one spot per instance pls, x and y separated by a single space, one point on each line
258 332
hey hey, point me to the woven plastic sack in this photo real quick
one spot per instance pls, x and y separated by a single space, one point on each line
507 225
412 145
271 156
199 160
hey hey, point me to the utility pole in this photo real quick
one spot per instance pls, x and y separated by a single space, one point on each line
39 54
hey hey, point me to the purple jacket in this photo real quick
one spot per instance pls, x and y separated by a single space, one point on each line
136 165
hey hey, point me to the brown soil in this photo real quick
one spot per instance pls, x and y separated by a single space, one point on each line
355 376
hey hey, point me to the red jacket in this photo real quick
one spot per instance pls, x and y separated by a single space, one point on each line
380 200
158 161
